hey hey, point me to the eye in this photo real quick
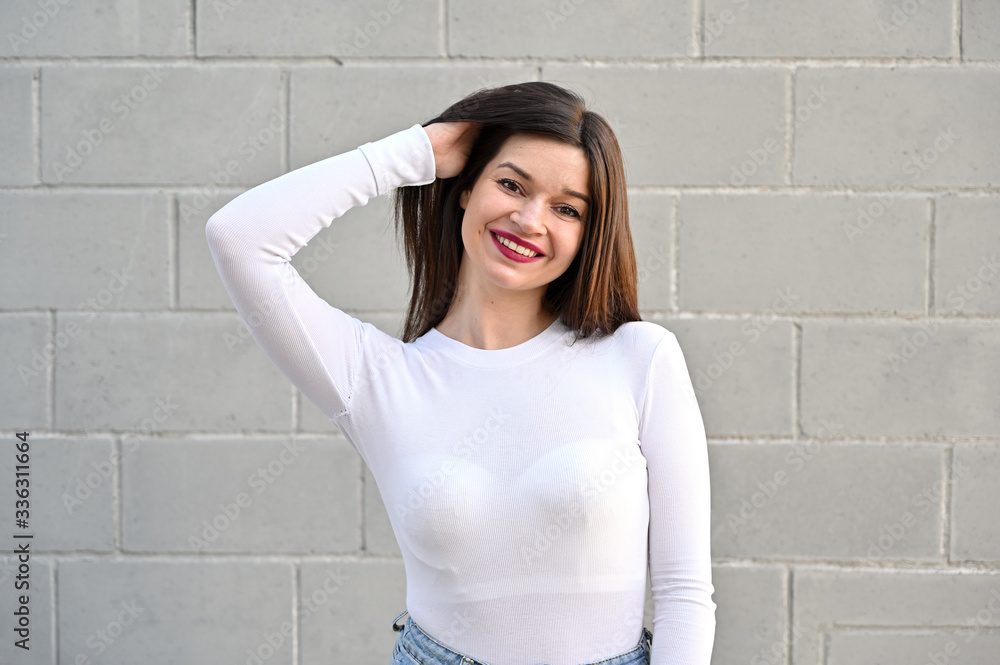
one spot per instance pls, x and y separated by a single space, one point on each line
502 182
566 210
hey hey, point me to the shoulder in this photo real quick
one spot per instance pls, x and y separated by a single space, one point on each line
643 337
636 347
655 351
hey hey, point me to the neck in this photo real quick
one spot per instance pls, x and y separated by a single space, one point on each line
495 318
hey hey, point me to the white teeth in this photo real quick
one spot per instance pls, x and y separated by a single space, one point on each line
515 247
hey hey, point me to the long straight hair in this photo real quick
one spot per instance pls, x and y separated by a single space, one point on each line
598 292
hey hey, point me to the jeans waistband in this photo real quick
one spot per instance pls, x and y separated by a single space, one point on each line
638 654
394 626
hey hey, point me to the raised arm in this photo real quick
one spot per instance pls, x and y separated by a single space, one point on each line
673 441
254 237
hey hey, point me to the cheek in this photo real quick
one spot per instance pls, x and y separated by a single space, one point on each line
473 232
477 212
573 246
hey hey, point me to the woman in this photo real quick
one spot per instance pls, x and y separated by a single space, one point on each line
535 443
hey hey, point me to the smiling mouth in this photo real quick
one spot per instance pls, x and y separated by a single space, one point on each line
515 248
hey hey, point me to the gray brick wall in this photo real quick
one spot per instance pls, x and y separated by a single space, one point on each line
815 192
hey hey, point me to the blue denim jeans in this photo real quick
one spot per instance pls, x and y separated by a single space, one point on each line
415 647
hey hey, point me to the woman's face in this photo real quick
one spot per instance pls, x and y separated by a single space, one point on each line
533 193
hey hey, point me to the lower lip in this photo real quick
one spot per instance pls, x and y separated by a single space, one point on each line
511 254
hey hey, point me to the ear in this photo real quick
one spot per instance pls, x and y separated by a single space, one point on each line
463 200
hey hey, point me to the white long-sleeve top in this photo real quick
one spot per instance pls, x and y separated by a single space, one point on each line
527 487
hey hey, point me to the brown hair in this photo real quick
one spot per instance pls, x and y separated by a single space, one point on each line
598 292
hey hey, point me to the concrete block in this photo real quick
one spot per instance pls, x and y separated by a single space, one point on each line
817 29
348 611
114 245
906 646
199 284
71 486
897 128
751 614
888 599
683 125
17 134
974 532
160 124
868 502
338 109
41 627
166 373
966 251
652 236
314 28
727 361
28 347
980 26
643 28
919 379
783 253
173 612
99 28
357 263
290 495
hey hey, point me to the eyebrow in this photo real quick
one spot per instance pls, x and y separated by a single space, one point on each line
524 174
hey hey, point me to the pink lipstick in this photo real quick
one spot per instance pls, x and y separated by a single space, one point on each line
511 254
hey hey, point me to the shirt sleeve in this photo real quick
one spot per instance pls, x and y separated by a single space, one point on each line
673 441
253 238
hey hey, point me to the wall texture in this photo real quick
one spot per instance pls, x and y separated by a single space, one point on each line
815 193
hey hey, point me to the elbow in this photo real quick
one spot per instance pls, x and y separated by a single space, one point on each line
219 228
231 224
217 220
212 230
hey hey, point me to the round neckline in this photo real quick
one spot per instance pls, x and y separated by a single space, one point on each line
492 358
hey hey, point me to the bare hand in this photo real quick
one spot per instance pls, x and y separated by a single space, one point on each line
452 143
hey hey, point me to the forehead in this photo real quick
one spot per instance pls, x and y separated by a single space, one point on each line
546 159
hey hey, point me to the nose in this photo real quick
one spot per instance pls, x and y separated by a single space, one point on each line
529 216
